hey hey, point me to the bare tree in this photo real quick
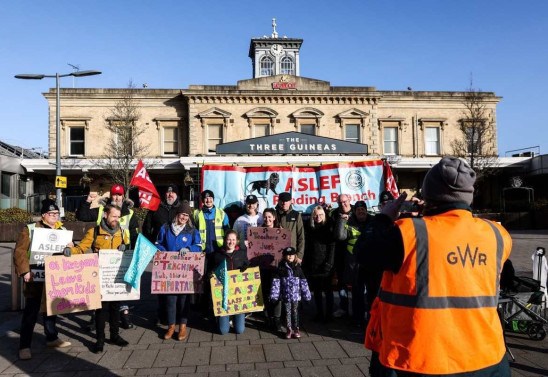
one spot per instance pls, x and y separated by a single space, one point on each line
477 142
124 145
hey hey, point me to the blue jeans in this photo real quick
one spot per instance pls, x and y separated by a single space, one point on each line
238 320
178 307
30 316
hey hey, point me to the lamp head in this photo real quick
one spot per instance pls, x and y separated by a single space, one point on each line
29 76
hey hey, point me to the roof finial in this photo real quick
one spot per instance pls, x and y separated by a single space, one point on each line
274 32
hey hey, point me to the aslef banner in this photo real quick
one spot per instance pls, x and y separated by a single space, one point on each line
308 185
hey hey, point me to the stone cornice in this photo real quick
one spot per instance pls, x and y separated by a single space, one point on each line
273 99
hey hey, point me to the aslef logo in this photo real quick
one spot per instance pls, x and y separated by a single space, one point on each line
52 237
454 257
354 180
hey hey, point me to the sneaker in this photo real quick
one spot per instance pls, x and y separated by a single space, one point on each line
339 313
24 354
296 334
119 341
288 334
58 343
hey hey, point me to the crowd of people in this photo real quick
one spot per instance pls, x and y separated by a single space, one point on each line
411 276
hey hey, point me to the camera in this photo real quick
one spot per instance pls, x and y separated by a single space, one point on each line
409 206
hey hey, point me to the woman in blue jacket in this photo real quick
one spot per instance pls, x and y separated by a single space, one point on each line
179 236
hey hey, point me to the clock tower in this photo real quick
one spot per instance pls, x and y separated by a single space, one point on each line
273 55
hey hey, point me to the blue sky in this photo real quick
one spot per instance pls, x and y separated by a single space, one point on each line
391 45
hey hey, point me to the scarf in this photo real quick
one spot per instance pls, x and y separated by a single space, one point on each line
177 228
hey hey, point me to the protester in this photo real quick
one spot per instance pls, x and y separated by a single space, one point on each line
289 286
438 298
349 231
290 219
319 261
107 235
178 236
344 211
212 222
236 259
250 219
127 221
34 290
152 224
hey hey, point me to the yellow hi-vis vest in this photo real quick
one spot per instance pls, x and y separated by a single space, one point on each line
219 231
353 234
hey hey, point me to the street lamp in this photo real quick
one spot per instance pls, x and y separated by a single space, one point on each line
57 115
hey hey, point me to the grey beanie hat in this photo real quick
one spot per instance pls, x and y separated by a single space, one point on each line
450 180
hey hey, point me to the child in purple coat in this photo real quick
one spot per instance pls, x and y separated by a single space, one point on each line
290 286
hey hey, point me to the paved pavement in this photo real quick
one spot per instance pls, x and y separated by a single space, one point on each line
324 350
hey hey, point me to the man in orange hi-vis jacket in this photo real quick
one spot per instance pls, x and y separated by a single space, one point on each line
437 312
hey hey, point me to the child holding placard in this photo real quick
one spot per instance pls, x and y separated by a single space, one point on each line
290 286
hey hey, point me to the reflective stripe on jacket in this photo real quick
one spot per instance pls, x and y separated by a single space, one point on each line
439 312
353 234
219 231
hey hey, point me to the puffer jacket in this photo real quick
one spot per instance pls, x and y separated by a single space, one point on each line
289 284
188 238
104 240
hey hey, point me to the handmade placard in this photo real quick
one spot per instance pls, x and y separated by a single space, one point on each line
72 284
265 245
113 265
244 292
176 274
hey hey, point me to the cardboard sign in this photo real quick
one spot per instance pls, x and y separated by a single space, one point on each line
46 242
72 284
265 245
113 265
244 293
175 274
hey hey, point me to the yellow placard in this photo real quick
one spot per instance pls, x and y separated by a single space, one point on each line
60 181
244 293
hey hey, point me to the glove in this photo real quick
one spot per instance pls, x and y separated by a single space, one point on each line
122 247
244 267
183 251
67 252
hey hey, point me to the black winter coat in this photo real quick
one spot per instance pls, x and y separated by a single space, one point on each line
235 261
319 257
154 220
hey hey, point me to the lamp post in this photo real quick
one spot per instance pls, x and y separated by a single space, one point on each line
57 76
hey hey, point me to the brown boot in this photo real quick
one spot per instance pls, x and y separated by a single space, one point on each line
170 332
182 331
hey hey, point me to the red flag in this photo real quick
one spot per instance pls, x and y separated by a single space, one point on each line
389 181
148 196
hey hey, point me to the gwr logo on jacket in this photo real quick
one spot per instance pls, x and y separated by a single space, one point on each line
439 312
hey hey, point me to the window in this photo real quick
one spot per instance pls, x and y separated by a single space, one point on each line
473 139
352 133
308 129
390 140
432 141
287 67
214 136
262 130
77 141
267 66
124 141
171 141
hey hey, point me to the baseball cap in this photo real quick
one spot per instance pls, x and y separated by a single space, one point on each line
251 199
117 189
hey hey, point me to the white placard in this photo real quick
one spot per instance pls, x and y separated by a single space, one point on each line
113 265
46 242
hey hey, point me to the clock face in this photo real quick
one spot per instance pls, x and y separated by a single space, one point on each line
276 49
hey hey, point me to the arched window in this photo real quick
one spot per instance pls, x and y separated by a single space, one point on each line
287 67
267 66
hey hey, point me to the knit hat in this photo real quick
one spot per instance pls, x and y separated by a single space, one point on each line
359 204
47 206
207 194
284 197
172 188
450 180
289 251
117 189
184 208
